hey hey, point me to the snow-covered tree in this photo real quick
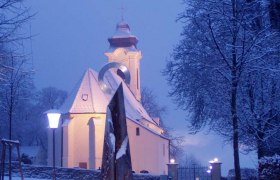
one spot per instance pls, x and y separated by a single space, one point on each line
45 99
14 92
260 112
12 18
223 43
15 72
274 13
269 167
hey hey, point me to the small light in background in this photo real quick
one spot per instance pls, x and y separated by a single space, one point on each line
172 161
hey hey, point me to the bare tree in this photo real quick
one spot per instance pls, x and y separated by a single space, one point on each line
50 98
13 16
190 160
221 45
148 100
45 99
13 90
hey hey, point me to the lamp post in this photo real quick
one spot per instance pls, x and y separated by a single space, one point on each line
172 169
216 169
53 118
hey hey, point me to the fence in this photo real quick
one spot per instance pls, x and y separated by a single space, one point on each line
193 173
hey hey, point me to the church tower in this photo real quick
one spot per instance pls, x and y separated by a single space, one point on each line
123 50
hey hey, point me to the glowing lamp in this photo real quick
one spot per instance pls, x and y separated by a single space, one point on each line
208 171
215 160
172 161
53 118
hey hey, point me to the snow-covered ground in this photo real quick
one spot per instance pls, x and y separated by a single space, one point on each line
18 178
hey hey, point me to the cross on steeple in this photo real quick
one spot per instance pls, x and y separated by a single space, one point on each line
122 12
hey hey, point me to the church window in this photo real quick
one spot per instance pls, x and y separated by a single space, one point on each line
163 150
137 131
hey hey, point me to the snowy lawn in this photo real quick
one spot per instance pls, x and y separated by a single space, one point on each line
18 178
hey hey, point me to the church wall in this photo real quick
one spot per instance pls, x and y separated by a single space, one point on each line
148 151
76 139
99 140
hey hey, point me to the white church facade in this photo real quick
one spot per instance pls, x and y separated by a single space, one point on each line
80 137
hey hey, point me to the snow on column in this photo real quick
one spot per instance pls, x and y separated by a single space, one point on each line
116 161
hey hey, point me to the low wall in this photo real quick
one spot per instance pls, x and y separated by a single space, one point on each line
46 172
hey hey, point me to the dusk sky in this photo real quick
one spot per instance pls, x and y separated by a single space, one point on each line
71 36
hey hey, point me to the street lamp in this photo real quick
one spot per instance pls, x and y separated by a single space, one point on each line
215 168
53 118
172 169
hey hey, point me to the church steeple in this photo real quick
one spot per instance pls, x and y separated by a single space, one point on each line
123 37
123 49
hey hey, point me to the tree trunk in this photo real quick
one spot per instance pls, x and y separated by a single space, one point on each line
234 84
260 149
11 109
235 131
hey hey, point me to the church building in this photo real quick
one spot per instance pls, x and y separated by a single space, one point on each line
80 136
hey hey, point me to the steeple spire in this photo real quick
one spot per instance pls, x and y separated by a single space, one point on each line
123 49
123 37
122 12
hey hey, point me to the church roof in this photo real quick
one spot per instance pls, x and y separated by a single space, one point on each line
123 37
88 97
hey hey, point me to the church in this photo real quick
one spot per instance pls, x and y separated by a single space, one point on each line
80 137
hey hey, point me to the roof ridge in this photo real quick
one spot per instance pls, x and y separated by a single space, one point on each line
90 88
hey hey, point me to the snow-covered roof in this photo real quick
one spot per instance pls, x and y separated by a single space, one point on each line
123 37
88 97
122 30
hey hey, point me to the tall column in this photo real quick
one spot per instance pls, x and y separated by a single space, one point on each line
91 144
172 170
216 170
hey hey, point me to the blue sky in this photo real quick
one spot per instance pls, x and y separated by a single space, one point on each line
71 35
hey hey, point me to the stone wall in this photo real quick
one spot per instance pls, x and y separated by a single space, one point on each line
46 172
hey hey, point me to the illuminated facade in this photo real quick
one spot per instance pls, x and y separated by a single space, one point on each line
81 136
